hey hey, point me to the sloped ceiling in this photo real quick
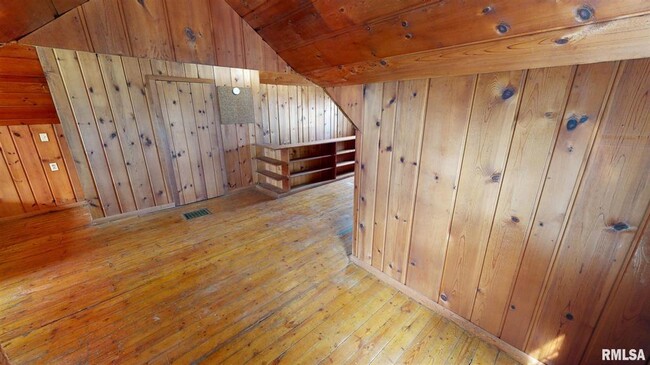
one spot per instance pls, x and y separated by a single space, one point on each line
346 41
19 17
196 31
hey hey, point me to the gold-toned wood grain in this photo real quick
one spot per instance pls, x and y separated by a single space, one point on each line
617 174
587 97
488 142
444 136
538 122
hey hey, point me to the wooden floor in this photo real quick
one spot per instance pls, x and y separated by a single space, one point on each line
258 281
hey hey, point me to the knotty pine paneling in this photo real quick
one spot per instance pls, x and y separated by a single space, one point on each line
298 113
118 134
27 184
195 31
523 204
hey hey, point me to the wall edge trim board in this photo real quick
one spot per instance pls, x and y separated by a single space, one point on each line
463 323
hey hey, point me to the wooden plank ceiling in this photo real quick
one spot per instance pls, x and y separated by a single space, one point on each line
351 42
19 17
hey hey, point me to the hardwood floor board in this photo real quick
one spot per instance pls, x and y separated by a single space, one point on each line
257 281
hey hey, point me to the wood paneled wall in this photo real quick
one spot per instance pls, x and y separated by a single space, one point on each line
194 31
27 183
296 114
514 199
115 134
24 95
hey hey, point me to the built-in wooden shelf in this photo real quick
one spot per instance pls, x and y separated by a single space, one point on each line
308 172
310 158
285 169
270 160
272 175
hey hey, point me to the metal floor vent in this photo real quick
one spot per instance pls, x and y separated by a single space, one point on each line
196 214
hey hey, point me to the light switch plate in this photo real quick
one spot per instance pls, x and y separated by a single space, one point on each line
44 137
54 166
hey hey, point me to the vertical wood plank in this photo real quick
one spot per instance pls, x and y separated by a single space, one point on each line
191 31
320 117
214 126
373 96
103 19
228 37
147 30
587 97
10 203
540 114
407 144
266 117
312 114
293 113
488 141
596 241
143 117
185 100
107 128
183 167
16 174
72 133
284 128
623 324
68 159
443 144
200 105
229 137
127 129
274 127
244 140
24 143
384 171
50 152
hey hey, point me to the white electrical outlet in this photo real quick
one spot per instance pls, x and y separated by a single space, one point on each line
44 137
54 166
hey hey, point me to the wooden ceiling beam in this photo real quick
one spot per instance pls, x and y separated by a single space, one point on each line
284 78
616 40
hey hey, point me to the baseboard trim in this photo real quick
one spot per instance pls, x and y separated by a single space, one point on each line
134 213
468 326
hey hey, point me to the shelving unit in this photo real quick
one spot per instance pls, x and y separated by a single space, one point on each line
285 169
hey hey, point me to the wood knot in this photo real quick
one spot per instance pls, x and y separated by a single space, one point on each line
620 226
405 23
512 306
569 316
514 219
189 34
487 10
408 35
503 28
443 297
583 119
507 93
584 13
571 124
563 40
383 62
496 177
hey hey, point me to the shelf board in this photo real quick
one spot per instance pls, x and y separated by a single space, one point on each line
303 173
310 158
270 160
343 152
272 175
344 163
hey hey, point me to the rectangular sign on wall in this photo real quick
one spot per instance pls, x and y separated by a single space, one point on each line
235 105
